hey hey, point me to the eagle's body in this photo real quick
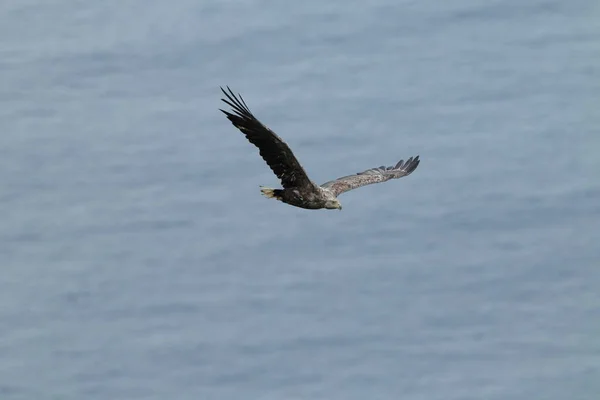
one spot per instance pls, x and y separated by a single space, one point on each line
313 199
298 190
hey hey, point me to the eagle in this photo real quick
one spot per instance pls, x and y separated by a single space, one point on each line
298 190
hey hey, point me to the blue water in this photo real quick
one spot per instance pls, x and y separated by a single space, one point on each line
139 260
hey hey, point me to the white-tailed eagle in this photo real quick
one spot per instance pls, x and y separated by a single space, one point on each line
298 190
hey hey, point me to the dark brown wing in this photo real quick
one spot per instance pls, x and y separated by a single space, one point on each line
272 148
373 175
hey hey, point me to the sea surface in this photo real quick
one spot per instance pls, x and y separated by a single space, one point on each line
138 259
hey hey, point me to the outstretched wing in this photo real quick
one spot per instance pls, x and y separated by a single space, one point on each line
272 148
373 175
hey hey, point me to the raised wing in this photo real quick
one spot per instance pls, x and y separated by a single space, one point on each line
272 148
373 175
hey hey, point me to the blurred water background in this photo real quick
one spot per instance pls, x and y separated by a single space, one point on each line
139 261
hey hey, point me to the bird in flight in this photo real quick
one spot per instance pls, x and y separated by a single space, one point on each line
298 190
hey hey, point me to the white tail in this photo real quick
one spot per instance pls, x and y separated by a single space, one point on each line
270 193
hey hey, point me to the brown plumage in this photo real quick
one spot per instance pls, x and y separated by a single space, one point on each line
298 190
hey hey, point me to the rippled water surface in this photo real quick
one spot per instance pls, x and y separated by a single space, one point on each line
139 260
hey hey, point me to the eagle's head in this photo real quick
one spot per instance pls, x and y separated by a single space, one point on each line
333 204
